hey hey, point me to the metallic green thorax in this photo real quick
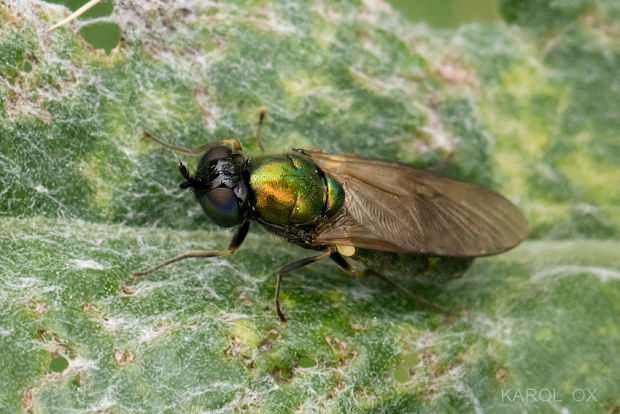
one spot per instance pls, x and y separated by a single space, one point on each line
291 189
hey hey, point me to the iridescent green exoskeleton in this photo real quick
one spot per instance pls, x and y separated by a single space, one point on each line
337 203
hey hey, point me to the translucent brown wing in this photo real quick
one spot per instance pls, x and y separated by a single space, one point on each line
394 207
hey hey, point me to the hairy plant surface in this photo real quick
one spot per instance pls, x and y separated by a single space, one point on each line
528 106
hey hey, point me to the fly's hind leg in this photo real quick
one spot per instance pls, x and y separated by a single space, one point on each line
234 245
293 266
198 151
342 262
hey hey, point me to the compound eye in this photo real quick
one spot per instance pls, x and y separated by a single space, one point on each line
217 153
221 205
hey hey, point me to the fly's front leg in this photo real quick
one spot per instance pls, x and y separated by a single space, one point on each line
196 152
261 119
342 262
234 245
293 266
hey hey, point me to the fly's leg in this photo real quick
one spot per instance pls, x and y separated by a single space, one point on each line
198 151
293 266
261 119
342 262
234 245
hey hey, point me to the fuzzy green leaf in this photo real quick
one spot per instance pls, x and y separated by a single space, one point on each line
528 107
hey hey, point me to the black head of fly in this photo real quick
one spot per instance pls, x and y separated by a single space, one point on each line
219 186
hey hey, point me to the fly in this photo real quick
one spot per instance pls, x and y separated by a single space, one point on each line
337 203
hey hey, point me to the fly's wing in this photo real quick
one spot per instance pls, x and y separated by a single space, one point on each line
394 207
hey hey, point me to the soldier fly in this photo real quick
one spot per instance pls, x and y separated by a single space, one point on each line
337 203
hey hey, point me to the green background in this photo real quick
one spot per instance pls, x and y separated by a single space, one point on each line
527 105
445 13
